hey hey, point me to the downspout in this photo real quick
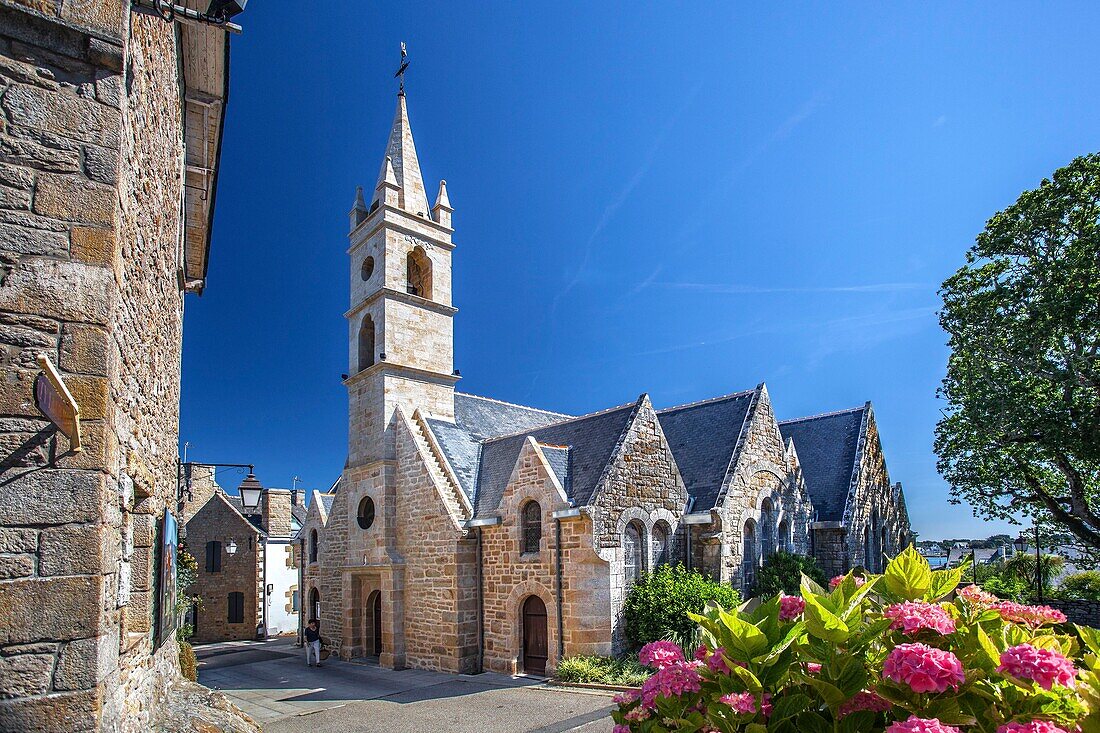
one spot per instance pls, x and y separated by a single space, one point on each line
263 593
301 589
560 604
480 608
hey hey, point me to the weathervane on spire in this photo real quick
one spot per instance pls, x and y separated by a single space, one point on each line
401 70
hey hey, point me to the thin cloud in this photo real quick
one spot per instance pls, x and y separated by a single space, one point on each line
612 208
734 289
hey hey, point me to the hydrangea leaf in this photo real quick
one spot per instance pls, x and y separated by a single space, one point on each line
822 623
908 576
943 582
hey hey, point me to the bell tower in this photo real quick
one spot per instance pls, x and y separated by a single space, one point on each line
400 324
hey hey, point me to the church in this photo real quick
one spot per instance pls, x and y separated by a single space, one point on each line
469 534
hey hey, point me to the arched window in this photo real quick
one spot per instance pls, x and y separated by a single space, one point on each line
634 551
365 515
532 526
314 604
213 556
748 559
313 545
235 608
868 531
784 537
418 269
366 343
767 529
660 543
368 268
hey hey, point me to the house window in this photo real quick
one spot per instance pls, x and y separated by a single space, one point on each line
368 268
365 515
236 607
748 559
785 543
660 543
634 551
213 556
532 526
313 546
294 601
315 603
419 273
366 343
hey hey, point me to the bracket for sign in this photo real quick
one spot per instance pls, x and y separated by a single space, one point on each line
54 400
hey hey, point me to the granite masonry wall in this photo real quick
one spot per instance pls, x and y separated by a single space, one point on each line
91 156
1085 613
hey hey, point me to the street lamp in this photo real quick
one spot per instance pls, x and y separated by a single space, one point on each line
231 548
1020 543
250 490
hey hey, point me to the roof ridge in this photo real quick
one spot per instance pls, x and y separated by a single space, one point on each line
834 413
531 431
512 404
742 393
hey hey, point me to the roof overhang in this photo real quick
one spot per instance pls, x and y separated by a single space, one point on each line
482 522
697 518
205 66
827 525
569 513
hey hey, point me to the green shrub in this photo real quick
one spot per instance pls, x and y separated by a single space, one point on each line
782 573
603 671
658 604
188 662
1084 585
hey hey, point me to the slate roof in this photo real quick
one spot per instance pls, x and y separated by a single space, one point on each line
590 438
703 437
826 446
256 520
326 500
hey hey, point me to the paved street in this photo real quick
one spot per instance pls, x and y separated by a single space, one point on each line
271 683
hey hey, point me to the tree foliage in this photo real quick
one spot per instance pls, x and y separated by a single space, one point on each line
1021 432
658 605
1084 585
782 573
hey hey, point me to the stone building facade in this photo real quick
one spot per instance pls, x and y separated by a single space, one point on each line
467 533
245 568
99 240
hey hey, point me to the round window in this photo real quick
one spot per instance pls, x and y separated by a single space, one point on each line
368 268
366 512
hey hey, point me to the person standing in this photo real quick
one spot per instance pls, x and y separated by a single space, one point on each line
313 642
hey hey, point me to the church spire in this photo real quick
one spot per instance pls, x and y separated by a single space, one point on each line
401 155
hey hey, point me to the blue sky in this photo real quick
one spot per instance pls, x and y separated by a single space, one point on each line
679 199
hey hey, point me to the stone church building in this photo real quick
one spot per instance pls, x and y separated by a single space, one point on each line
470 534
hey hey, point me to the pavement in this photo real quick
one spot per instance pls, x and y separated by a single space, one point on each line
270 681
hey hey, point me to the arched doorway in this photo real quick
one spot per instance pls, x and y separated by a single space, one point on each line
314 605
374 624
534 636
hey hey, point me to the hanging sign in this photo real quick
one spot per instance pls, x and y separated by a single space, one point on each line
55 401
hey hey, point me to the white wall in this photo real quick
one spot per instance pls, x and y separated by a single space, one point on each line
282 575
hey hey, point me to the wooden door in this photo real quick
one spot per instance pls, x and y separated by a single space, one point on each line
534 636
377 623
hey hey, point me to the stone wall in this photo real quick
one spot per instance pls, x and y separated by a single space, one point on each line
1085 613
216 520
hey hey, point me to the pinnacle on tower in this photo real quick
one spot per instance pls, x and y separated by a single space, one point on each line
359 210
441 212
403 165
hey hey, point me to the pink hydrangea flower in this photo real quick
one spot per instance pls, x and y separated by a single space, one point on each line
864 700
1046 667
766 704
976 596
671 681
1033 616
626 698
701 653
660 654
1033 726
637 715
921 725
620 728
790 607
834 582
923 668
741 702
911 617
717 663
813 668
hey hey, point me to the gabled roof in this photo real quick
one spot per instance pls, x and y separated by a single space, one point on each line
703 437
327 499
827 446
254 518
591 439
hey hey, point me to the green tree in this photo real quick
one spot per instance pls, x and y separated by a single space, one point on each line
657 606
1021 432
782 573
1085 584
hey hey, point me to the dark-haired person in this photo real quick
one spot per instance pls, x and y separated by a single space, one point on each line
313 642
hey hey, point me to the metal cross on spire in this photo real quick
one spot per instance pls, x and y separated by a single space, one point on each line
401 70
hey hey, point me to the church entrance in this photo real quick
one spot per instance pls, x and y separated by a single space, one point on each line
534 636
374 624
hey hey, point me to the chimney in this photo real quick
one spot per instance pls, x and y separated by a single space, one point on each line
294 497
276 512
